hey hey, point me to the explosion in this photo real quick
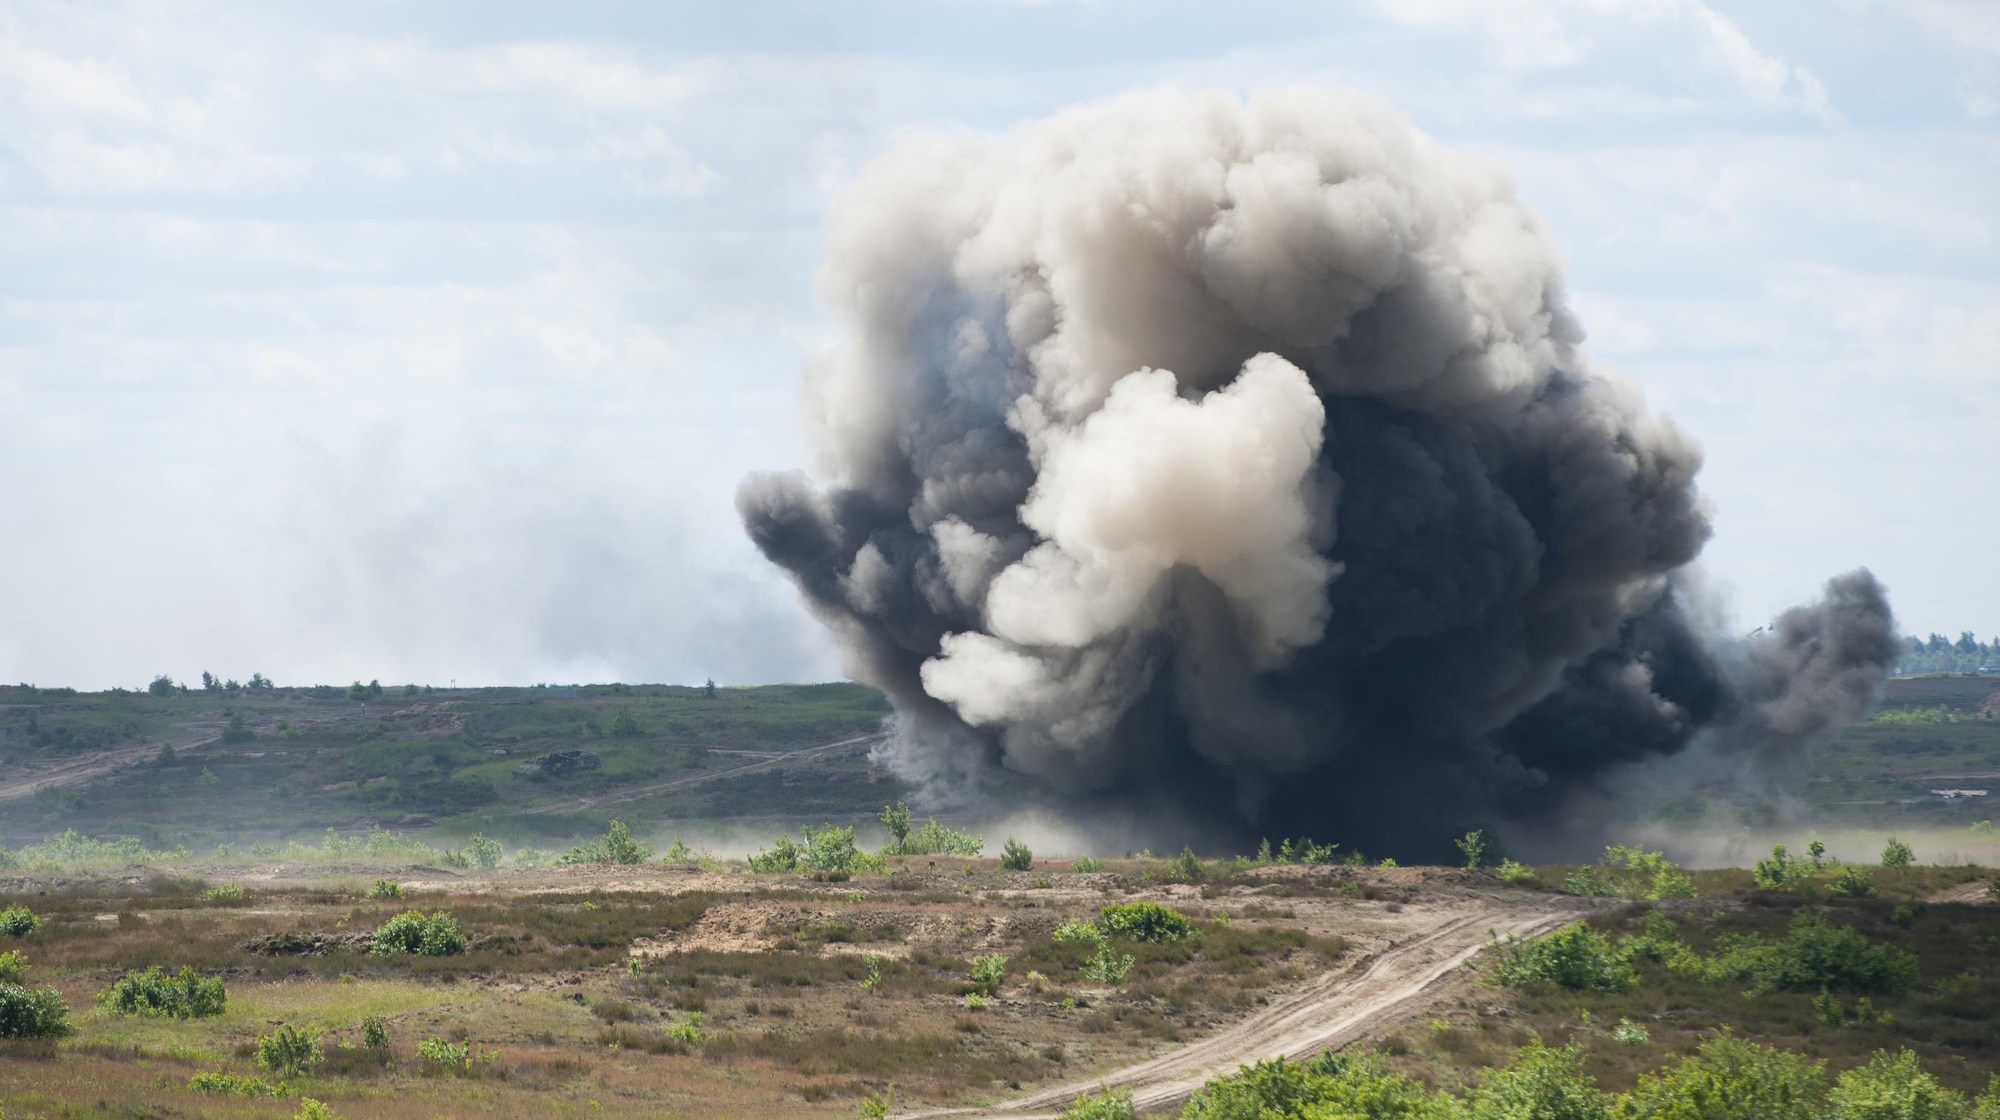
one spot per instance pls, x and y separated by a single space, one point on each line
1238 462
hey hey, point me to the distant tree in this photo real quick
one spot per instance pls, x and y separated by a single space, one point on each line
708 690
163 685
1897 854
896 818
625 724
210 682
1473 845
411 690
166 757
236 732
1015 856
231 686
259 682
374 688
357 691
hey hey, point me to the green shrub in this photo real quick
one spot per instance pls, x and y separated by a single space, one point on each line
687 1033
1649 874
1186 868
374 1033
935 839
827 851
411 932
485 851
1015 856
989 972
1893 1087
1111 1104
18 921
438 1055
289 1051
1814 955
1730 1079
615 847
1897 854
1330 1087
1513 871
310 1109
231 1085
1540 1083
1085 864
1106 967
1854 883
186 995
1076 929
224 894
385 888
1575 957
1302 850
13 966
1780 871
1146 921
40 1013
1473 846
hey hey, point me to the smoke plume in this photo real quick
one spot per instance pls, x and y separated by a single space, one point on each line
1239 460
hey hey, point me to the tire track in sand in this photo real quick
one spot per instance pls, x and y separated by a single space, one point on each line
1337 1008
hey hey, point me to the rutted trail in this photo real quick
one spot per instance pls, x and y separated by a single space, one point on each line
1337 1008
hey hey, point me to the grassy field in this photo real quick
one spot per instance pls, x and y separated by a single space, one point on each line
661 991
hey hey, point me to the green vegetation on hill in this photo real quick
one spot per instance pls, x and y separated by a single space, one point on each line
193 768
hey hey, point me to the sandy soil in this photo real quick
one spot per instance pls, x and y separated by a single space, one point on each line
84 767
1365 996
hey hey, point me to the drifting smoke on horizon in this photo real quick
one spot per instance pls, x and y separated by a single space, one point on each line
1239 460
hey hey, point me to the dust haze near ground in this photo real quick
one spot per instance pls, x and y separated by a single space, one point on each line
1236 466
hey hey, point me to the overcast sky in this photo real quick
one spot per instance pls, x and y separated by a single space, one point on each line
428 342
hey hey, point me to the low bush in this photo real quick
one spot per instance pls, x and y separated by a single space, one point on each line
40 1013
18 921
826 851
439 1055
183 995
1575 957
616 846
1111 1104
1895 1087
1146 921
231 1085
989 972
374 1033
1813 955
1728 1078
1897 854
1085 864
13 966
1781 870
1630 872
411 932
385 888
1513 871
223 894
1854 883
289 1051
1015 856
310 1109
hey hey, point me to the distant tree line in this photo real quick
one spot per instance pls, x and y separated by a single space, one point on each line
1938 654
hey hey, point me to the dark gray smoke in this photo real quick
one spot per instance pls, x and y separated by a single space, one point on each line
1241 459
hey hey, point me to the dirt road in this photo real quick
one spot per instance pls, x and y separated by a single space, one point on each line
634 793
1339 1007
82 768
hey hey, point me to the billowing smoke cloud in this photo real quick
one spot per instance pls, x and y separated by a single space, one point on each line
1241 459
